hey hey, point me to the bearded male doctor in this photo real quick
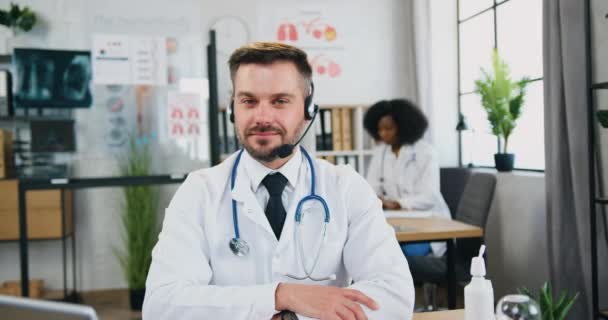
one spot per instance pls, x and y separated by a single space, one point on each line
271 232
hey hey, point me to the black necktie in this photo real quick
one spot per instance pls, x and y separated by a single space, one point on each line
275 212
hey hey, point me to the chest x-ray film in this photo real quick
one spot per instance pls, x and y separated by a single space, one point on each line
52 78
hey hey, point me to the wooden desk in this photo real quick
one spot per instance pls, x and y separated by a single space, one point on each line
432 229
440 315
436 229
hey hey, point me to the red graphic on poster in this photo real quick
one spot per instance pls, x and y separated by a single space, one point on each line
287 31
177 129
323 65
316 28
193 113
177 113
193 129
183 115
319 29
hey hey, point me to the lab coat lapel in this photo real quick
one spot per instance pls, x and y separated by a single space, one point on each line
247 204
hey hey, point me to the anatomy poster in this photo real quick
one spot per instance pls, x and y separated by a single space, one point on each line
346 46
322 31
184 114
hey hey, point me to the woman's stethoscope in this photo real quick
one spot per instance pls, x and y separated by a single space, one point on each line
411 159
240 247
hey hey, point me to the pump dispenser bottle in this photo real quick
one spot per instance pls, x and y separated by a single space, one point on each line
479 294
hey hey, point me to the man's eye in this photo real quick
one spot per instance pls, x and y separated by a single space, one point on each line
248 101
282 101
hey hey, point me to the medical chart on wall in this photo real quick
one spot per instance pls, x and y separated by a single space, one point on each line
342 43
320 30
137 60
150 69
184 114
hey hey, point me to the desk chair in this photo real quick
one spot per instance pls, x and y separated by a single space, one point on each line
452 184
473 208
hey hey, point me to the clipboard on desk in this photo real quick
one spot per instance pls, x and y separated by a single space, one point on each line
407 214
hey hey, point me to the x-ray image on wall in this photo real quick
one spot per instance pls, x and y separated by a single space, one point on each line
52 78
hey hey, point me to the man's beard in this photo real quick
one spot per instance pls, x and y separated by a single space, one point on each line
266 154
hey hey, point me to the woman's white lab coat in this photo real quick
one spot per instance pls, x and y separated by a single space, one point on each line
194 275
412 179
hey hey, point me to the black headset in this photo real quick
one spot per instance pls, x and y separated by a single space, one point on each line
309 107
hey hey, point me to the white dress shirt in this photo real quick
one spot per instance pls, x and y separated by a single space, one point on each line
257 172
194 274
410 178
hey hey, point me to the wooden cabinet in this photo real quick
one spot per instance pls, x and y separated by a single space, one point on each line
7 164
44 209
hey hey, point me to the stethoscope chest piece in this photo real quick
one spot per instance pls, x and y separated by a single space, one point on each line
239 247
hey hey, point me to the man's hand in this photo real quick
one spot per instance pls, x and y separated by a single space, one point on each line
323 302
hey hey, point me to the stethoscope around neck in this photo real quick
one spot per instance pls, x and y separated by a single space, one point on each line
240 247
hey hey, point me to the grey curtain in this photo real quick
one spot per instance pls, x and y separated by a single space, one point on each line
566 125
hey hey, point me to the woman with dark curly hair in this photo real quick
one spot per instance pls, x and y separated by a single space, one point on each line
404 171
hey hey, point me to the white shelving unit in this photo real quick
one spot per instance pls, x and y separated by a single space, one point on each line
362 142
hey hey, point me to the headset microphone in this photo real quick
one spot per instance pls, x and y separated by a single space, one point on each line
285 150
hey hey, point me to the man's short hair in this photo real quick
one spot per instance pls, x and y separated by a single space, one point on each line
268 53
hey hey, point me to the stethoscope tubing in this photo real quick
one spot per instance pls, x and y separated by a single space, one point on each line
298 220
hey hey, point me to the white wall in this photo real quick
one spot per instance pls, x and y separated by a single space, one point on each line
69 24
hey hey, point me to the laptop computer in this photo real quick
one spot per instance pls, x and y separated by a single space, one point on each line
29 309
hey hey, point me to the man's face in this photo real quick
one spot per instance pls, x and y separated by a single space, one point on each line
268 107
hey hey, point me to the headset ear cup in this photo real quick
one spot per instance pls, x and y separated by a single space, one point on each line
309 107
308 112
231 111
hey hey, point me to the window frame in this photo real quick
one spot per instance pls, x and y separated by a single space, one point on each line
459 21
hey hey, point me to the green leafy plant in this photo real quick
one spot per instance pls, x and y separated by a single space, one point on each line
602 117
17 18
501 98
552 309
139 220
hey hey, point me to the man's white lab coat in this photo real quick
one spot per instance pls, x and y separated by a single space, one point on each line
195 275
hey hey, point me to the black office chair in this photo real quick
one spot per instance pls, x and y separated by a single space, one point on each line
452 184
473 208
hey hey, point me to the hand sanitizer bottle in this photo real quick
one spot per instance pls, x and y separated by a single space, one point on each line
479 295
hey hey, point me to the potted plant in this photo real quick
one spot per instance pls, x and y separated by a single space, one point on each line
15 19
502 99
602 116
139 224
552 308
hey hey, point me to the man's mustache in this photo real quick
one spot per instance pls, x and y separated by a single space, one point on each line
261 129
